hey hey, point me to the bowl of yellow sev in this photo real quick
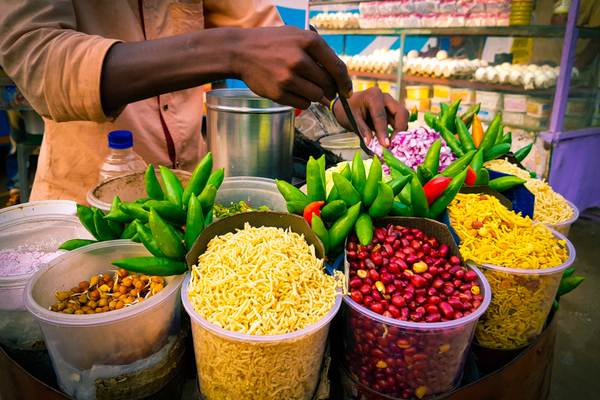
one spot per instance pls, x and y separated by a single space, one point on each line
260 305
565 226
523 262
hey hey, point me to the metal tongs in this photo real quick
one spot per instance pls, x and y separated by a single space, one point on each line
350 116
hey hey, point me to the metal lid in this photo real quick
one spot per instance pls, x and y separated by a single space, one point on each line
242 101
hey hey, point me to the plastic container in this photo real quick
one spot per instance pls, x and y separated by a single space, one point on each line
564 228
254 190
467 96
491 100
235 365
442 92
343 145
513 118
538 107
417 92
391 356
120 343
35 230
515 103
521 303
128 187
420 105
121 158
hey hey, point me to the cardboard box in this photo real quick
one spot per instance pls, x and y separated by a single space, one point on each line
490 100
515 103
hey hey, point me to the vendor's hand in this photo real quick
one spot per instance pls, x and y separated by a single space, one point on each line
290 66
373 111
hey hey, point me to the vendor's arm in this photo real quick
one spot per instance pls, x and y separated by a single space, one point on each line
374 111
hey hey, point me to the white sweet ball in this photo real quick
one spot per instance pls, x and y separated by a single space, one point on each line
441 55
413 54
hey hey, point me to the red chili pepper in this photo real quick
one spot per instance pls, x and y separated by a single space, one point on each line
471 176
312 208
435 187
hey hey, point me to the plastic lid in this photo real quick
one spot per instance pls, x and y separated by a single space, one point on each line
120 139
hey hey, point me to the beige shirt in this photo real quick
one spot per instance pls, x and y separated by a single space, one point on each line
54 50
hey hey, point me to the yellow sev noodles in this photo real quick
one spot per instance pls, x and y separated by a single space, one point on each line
492 234
550 207
260 281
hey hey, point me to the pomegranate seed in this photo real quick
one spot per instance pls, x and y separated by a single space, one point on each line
395 311
431 309
355 283
398 301
427 276
357 296
436 317
362 255
457 283
432 291
458 315
367 300
443 250
377 308
376 258
376 295
454 260
418 281
373 274
438 283
388 248
434 242
387 278
420 299
394 268
365 289
460 274
446 309
470 275
387 314
455 303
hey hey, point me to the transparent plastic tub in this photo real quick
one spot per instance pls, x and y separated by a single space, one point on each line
392 356
86 347
521 304
129 187
235 365
565 227
30 234
254 190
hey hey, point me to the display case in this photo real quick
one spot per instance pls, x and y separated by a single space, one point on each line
543 78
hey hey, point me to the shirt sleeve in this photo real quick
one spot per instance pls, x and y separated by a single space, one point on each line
57 68
240 14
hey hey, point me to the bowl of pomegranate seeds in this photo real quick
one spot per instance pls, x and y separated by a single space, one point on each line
411 308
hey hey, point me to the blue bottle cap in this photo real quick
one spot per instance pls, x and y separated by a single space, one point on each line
120 139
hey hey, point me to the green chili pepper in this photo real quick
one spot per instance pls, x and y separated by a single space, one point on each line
153 189
523 152
334 210
396 164
102 229
448 118
432 158
464 136
364 229
333 195
342 227
418 200
467 117
130 230
173 188
496 151
347 172
568 284
315 187
148 241
195 221
345 190
430 119
115 227
116 214
136 238
405 195
397 184
555 305
216 178
568 272
207 198
489 137
322 166
505 182
370 190
412 117
459 164
295 207
507 138
167 210
319 228
477 162
198 179
383 202
75 244
135 210
159 266
500 134
450 140
167 239
359 177
483 177
208 219
86 217
401 210
142 201
440 204
292 194
443 109
423 174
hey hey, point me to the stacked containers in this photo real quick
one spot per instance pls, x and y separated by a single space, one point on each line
390 356
139 344
521 303
237 365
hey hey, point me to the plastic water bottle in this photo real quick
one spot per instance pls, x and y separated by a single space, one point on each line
121 158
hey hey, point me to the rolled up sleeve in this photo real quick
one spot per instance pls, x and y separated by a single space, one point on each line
57 68
240 14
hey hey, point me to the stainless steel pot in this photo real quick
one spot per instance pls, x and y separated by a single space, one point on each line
249 135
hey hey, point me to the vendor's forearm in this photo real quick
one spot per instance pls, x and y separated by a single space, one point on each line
134 71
